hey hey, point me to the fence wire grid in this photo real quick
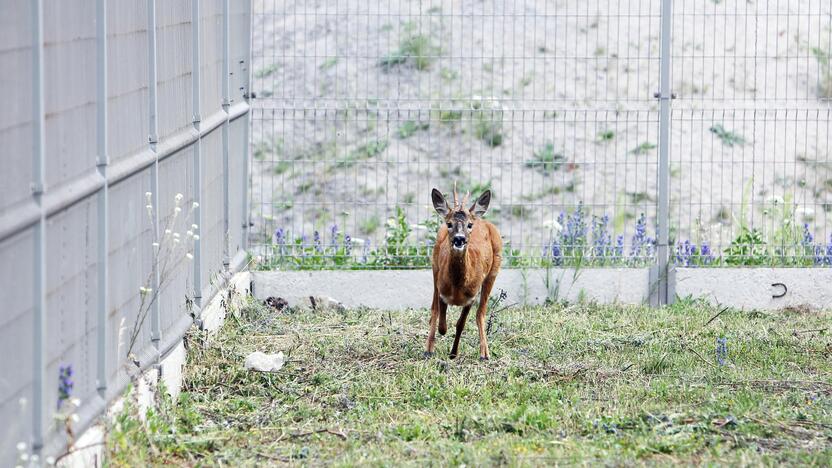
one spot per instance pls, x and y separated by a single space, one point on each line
363 107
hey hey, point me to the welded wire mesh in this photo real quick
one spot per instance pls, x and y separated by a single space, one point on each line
750 164
364 106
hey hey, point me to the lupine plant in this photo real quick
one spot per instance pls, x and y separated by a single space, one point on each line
579 239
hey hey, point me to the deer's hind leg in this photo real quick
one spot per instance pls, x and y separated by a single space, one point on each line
434 318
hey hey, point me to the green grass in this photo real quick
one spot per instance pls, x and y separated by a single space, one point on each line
329 63
566 384
606 135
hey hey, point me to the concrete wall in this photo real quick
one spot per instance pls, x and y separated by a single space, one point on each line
107 100
749 288
402 289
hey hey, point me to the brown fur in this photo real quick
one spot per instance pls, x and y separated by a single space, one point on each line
458 276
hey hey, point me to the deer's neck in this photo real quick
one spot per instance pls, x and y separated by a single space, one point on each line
458 267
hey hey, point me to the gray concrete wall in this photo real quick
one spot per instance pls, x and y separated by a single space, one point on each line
748 288
402 289
107 100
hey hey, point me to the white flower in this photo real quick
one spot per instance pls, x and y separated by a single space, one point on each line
176 240
50 460
76 401
167 232
35 458
21 446
189 256
554 225
147 196
24 457
194 227
196 205
75 417
189 233
196 236
156 244
177 210
176 235
178 198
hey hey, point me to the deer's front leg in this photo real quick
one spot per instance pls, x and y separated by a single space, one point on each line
482 310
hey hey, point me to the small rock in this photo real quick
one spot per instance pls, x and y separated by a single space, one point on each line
263 362
277 303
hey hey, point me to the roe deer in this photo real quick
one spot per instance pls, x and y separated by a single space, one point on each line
466 260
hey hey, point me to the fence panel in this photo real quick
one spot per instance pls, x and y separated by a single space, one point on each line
750 142
363 107
100 154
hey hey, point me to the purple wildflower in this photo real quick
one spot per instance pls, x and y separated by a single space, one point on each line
65 384
316 238
639 238
557 255
685 253
365 251
618 252
705 254
347 245
601 238
280 240
721 350
333 242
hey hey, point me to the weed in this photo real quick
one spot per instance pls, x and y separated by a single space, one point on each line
606 135
488 127
265 72
643 148
329 63
366 151
546 160
410 127
728 138
415 49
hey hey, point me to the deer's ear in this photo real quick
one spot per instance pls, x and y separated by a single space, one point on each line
481 205
439 203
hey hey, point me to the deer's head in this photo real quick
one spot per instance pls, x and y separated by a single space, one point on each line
460 220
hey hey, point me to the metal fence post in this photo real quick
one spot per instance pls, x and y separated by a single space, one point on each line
247 95
38 188
153 139
196 18
226 102
664 95
103 199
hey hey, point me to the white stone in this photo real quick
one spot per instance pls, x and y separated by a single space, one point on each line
263 362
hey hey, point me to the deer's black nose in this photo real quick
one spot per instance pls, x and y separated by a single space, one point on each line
458 241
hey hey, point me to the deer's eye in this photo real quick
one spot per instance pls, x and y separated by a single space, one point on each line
470 225
450 225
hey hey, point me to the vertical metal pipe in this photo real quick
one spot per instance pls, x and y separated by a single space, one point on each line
103 198
197 196
153 138
663 249
226 102
38 188
246 71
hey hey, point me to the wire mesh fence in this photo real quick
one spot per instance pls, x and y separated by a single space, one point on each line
363 107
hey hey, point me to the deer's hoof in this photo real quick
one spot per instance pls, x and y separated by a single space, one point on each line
427 355
483 358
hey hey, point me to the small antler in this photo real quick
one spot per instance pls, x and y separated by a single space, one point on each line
465 200
455 196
